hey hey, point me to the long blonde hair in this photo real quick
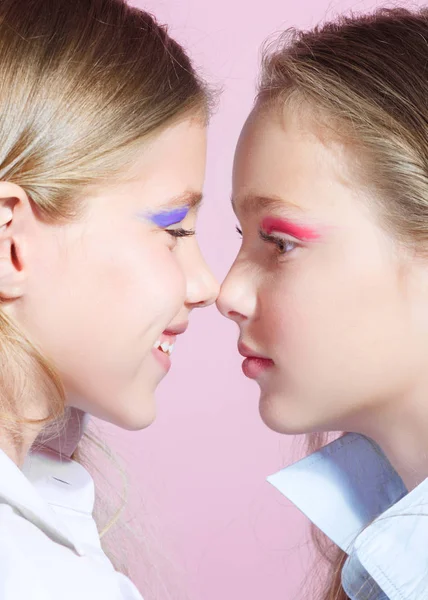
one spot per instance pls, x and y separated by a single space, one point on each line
366 79
83 84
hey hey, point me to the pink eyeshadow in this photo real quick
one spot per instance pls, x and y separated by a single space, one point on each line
272 224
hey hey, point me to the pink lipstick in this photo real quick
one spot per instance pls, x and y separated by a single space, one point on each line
254 364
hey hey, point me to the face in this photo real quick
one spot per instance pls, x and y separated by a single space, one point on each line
106 297
330 312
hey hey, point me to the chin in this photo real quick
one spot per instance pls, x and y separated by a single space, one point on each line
136 423
136 420
277 414
132 414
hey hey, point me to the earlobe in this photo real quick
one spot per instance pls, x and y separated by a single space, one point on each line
13 204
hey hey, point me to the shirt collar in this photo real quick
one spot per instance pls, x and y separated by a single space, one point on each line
343 487
18 491
352 493
393 549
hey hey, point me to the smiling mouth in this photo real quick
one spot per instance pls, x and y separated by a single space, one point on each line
166 342
167 347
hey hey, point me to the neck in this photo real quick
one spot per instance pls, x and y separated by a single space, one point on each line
401 431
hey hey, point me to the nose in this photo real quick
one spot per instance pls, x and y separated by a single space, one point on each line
237 300
202 287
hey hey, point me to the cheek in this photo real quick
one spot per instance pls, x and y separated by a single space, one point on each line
109 300
331 312
294 321
141 283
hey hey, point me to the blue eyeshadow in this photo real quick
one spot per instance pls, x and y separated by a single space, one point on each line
169 217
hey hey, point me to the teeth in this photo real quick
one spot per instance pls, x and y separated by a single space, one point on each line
165 347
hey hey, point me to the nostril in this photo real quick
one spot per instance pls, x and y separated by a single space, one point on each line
236 316
201 304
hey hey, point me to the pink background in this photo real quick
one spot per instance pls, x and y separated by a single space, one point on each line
202 466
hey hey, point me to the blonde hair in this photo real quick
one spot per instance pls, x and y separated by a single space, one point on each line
84 83
366 79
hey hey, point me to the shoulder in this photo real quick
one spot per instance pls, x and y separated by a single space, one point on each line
33 566
49 544
19 542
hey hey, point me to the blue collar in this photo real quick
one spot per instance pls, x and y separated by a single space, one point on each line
352 493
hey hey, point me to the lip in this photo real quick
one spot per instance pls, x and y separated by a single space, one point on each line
246 351
163 359
176 329
254 364
170 334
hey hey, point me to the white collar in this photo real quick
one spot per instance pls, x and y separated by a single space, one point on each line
352 493
46 478
343 487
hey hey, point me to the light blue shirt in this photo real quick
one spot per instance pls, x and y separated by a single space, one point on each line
352 493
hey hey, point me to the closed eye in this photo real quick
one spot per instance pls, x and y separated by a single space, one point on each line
180 232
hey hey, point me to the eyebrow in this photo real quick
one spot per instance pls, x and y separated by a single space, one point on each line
253 203
188 199
174 210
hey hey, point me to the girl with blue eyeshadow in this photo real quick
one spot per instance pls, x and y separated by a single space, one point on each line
167 218
92 299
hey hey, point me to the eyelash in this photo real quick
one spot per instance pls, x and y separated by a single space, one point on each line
181 233
280 243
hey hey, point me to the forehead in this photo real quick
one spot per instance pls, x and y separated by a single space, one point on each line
177 153
287 158
166 172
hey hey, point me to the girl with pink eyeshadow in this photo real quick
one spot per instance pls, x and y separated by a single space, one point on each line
99 266
330 288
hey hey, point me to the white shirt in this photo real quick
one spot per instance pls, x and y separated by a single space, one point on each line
49 544
353 494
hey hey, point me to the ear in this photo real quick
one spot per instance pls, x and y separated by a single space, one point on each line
15 215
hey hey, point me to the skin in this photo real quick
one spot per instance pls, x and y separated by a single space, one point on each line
342 315
96 294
